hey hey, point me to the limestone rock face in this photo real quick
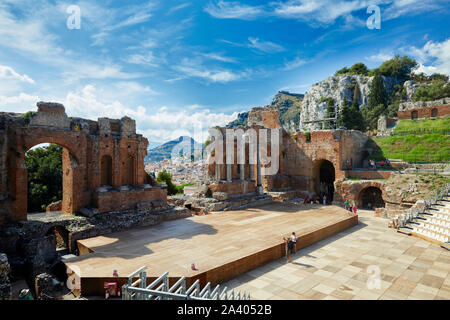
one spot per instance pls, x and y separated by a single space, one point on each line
410 89
338 88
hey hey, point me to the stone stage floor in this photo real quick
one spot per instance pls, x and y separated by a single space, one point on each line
345 265
211 242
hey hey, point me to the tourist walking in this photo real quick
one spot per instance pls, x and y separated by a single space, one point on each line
346 205
294 241
354 208
324 200
289 246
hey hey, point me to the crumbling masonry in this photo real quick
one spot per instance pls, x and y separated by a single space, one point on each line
103 161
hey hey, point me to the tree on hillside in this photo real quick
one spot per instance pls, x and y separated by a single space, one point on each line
351 117
166 177
371 115
398 67
377 93
44 176
437 89
357 68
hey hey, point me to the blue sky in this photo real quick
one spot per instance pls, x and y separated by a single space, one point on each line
176 65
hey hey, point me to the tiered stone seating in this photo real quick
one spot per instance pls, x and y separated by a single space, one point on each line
435 226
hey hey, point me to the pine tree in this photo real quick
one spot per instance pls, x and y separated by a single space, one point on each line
378 93
357 121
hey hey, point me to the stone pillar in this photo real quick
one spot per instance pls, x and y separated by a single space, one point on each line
242 173
229 172
258 170
217 173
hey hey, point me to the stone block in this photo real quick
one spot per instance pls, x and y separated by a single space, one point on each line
43 283
221 196
88 212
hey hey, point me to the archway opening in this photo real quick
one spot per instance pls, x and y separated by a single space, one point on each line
434 113
61 235
49 179
129 171
45 178
106 171
414 115
324 179
371 198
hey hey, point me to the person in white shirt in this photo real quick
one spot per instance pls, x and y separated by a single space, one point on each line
294 241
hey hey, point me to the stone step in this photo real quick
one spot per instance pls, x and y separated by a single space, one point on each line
400 230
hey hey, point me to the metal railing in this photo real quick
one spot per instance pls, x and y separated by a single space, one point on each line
414 212
420 132
160 289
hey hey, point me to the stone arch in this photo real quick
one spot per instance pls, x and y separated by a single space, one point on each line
129 166
72 191
414 115
61 235
324 175
371 197
434 113
106 170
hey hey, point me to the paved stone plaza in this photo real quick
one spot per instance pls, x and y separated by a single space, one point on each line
336 268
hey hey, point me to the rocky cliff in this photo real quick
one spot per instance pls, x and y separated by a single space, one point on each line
337 89
289 108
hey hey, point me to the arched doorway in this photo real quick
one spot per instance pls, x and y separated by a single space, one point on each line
129 171
414 115
49 178
434 113
106 171
324 176
371 198
61 235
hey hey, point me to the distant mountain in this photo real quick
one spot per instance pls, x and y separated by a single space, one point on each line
153 144
164 151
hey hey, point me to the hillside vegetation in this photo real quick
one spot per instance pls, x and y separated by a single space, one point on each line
427 124
414 148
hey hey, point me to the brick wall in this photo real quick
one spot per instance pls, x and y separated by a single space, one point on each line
424 112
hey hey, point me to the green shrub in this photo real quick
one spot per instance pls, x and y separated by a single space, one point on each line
308 136
437 89
166 177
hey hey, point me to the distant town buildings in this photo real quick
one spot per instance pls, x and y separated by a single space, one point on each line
182 171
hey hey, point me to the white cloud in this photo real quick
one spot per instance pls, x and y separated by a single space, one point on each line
322 12
9 73
21 103
162 125
179 7
432 57
218 57
233 10
193 68
264 46
380 57
128 88
294 64
144 59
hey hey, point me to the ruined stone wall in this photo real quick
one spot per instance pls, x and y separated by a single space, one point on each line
235 187
351 190
84 143
300 159
424 112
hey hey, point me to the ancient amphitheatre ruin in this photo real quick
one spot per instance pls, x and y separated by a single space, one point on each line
116 217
